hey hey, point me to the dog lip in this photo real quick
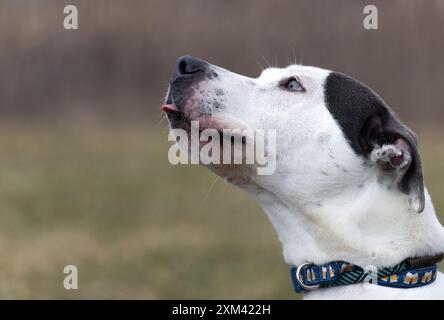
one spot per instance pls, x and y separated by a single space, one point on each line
169 108
210 122
219 123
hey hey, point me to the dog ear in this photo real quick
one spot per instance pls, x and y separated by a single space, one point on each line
394 146
375 133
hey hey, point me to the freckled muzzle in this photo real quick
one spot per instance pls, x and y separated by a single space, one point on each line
184 101
186 76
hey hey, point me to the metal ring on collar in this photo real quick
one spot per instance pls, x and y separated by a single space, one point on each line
299 278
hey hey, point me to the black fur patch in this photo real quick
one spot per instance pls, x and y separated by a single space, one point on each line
352 103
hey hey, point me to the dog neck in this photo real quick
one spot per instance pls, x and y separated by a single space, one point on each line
374 228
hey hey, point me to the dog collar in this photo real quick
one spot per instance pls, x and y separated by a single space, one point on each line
410 273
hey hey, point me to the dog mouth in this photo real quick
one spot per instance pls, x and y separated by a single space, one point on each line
226 143
188 113
195 110
176 117
217 130
179 120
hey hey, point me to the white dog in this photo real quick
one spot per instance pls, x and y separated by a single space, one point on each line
347 194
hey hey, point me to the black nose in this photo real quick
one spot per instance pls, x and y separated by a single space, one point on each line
188 66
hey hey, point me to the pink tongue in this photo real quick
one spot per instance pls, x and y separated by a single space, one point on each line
169 108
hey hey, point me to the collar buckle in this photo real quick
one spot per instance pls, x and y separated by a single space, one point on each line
301 282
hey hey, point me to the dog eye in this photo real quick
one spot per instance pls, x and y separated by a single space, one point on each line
292 84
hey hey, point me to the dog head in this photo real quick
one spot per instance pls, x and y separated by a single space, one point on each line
333 133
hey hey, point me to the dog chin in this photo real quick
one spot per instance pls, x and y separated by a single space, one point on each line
237 174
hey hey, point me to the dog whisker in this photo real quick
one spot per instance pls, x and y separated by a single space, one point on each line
260 66
210 189
268 64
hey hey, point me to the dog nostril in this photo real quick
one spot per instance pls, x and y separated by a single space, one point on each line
183 67
189 65
186 68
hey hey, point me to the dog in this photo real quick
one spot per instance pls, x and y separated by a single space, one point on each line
348 185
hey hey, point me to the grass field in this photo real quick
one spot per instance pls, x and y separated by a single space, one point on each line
105 199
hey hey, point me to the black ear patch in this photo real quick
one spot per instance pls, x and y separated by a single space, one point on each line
367 121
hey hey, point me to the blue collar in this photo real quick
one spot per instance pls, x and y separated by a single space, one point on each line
407 274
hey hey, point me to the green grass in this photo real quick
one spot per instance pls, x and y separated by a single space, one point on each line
106 199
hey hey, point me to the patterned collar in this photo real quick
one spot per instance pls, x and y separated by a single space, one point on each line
410 273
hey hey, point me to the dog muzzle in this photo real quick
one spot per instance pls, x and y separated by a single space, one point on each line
410 273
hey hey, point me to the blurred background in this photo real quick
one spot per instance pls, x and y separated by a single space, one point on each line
84 175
